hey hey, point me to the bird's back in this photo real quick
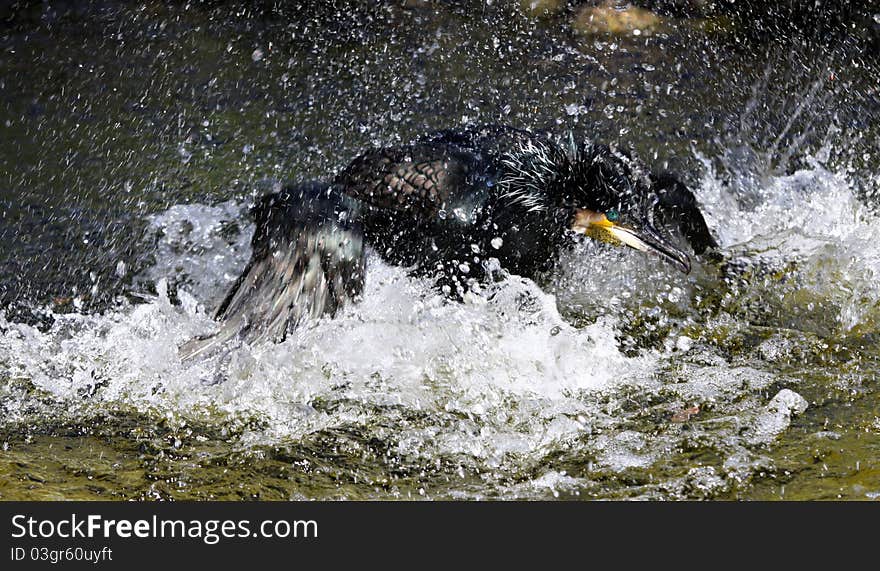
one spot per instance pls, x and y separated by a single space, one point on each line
431 203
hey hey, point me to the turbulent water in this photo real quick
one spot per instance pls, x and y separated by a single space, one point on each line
614 376
500 396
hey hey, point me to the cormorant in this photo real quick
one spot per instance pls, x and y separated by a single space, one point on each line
444 206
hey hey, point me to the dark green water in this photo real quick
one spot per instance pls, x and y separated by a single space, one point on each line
133 139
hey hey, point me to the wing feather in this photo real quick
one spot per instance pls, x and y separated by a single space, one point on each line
418 179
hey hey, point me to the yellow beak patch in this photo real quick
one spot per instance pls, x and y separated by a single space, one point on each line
597 226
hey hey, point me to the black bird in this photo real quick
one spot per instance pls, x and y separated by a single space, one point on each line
443 206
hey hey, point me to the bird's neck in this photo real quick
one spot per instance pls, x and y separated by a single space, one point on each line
533 176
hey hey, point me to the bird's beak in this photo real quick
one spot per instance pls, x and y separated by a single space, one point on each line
646 238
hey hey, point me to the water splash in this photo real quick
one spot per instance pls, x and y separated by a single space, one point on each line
812 218
532 386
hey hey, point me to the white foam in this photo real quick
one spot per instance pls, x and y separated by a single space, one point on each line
813 217
499 382
203 247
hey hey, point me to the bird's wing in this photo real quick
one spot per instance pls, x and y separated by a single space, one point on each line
308 261
418 179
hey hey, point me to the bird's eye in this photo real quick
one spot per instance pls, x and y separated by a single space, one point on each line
612 215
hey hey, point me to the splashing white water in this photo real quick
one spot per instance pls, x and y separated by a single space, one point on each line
813 217
201 247
500 381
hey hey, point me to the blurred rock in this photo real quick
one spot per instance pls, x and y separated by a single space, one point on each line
615 19
716 24
541 8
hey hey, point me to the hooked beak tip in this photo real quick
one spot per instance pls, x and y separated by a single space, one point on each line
649 240
683 264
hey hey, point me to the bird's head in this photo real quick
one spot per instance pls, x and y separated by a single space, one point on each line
604 193
612 201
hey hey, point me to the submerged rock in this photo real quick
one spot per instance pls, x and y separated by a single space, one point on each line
776 416
613 19
541 8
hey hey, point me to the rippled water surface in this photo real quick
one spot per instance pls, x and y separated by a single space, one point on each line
135 140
